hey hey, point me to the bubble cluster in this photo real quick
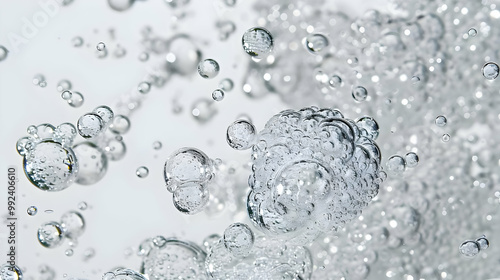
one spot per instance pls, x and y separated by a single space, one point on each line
297 161
123 274
52 234
471 248
187 173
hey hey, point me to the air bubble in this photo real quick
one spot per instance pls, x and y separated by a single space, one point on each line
157 145
77 42
218 95
72 224
208 68
3 53
315 43
64 85
32 210
100 46
411 159
257 42
472 32
469 248
490 70
142 172
10 272
396 165
226 84
240 135
144 87
359 93
90 125
76 99
120 124
50 235
238 239
445 138
441 121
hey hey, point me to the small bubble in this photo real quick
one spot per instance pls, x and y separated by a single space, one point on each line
77 42
32 210
238 239
472 32
88 253
142 172
218 95
39 80
359 93
144 87
226 84
240 135
483 243
69 252
144 56
230 3
446 137
335 81
469 248
82 205
396 165
315 43
63 85
490 70
411 159
120 124
119 51
441 121
369 127
90 125
50 235
415 80
3 53
100 46
208 68
257 42
157 145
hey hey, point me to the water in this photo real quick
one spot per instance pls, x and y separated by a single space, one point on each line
257 42
208 68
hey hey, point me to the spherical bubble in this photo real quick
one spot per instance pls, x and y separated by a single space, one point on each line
50 166
226 84
90 125
142 172
72 224
411 159
315 43
123 274
469 248
225 28
32 210
82 205
175 259
50 235
183 56
472 32
218 95
490 70
76 99
143 56
359 93
115 149
100 46
3 53
119 51
190 198
93 163
24 145
65 134
446 137
203 110
66 95
335 81
105 113
120 124
45 131
64 85
208 68
210 241
368 127
238 239
396 165
39 80
10 272
483 242
257 42
240 135
77 41
120 5
144 87
69 252
157 145
441 121
187 165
